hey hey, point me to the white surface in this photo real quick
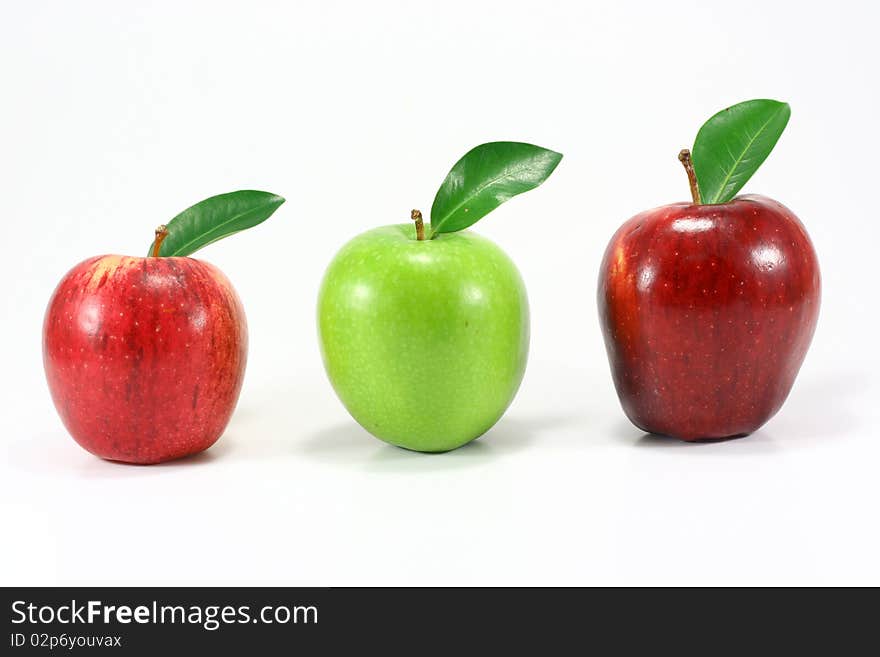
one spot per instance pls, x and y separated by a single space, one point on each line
117 115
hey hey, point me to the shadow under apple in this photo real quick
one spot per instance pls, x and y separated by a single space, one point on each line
815 413
43 455
350 444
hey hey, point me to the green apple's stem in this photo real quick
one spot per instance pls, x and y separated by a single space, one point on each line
161 234
685 158
416 216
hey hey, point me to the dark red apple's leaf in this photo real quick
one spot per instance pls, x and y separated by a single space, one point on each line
732 145
215 218
486 177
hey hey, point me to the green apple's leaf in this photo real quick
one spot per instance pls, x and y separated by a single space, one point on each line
732 145
215 218
485 178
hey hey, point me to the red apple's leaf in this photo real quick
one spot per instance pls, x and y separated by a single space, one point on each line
215 218
486 177
732 145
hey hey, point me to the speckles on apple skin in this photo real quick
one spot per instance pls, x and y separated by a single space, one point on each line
717 330
144 357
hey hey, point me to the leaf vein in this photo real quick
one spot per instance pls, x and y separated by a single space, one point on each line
729 173
510 172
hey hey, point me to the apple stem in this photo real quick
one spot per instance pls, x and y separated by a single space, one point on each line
416 216
161 234
685 158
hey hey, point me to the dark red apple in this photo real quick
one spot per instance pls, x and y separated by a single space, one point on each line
145 357
707 312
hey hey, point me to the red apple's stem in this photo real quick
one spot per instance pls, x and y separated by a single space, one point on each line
161 234
685 158
420 225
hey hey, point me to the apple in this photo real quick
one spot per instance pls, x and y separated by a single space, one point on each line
707 311
425 333
425 341
145 356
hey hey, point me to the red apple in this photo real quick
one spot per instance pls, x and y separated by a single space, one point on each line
145 357
707 313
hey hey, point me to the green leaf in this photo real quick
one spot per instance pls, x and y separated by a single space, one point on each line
215 218
732 145
486 177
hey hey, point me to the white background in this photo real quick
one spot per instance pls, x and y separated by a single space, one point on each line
115 116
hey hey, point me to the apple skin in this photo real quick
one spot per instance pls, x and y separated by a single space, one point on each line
425 342
145 357
707 312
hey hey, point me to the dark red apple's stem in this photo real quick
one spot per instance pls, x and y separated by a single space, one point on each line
161 234
420 225
685 158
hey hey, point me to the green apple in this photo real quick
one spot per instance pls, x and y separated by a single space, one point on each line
425 337
425 341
